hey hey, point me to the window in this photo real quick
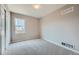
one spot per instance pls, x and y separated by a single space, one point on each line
19 25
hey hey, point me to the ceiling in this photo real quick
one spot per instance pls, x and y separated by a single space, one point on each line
27 9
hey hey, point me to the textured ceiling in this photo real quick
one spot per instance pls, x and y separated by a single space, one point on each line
27 9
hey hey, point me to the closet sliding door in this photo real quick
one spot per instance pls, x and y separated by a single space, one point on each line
3 29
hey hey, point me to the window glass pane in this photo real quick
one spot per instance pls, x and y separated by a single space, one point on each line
19 25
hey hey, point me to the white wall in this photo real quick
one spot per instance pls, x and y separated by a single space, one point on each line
59 28
32 28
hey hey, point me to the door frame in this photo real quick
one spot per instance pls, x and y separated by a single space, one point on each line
5 33
3 30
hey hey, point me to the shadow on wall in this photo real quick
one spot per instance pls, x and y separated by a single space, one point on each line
32 26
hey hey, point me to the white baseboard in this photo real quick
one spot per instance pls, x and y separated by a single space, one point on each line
75 51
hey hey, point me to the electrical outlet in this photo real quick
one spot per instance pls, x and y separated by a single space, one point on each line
67 45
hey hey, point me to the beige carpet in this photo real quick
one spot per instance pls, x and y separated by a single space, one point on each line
36 47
